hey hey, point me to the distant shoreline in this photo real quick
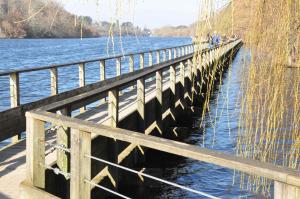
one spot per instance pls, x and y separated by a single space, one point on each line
117 36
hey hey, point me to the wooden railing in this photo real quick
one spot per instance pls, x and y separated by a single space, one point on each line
12 121
287 181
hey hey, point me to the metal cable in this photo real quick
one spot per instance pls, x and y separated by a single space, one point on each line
152 177
106 189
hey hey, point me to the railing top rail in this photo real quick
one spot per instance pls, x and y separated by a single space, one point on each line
38 68
252 167
121 81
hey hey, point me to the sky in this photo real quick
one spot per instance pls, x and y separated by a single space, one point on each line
144 13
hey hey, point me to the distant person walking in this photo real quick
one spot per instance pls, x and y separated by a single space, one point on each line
216 39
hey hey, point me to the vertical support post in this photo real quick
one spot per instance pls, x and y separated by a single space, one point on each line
35 152
164 55
182 81
142 63
102 70
118 66
82 80
182 74
175 53
150 58
284 191
14 96
63 139
131 63
54 81
159 87
81 165
158 57
170 54
172 79
113 107
159 97
81 75
141 103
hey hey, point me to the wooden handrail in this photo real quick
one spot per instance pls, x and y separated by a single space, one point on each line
80 132
252 167
38 68
13 120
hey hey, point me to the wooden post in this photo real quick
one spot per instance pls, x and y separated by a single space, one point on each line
118 66
63 139
102 70
170 54
158 57
113 107
159 87
172 79
285 191
175 53
150 59
164 55
82 80
131 63
14 96
54 81
141 103
35 152
80 164
182 74
142 61
159 97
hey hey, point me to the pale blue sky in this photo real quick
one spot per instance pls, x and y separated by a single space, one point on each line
150 13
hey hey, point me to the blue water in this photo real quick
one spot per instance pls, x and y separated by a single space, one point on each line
224 106
23 53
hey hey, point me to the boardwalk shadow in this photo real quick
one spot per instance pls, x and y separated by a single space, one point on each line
4 196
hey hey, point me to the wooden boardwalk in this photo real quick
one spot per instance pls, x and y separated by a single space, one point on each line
13 158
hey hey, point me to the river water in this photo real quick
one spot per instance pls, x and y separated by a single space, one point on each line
221 122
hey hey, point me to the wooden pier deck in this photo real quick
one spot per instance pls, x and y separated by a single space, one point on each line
97 111
13 157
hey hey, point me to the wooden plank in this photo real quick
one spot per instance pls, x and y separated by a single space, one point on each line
80 164
28 191
249 166
113 107
102 70
35 152
54 81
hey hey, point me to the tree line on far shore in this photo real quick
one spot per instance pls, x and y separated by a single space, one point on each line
48 19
